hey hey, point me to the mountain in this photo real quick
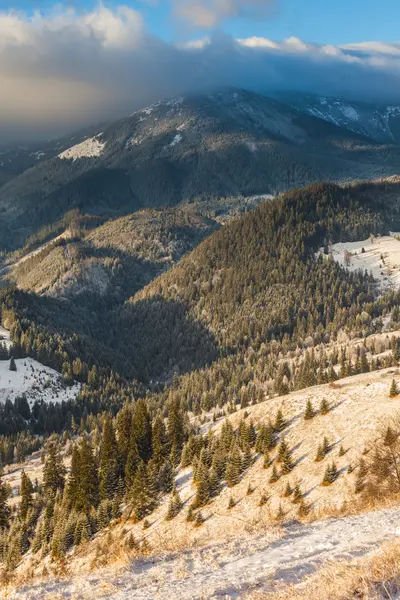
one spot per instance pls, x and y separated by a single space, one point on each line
377 121
227 144
267 379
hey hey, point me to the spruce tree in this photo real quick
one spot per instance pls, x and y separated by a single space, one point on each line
53 471
203 486
288 491
142 496
26 493
330 475
274 475
324 407
309 412
13 366
394 390
280 422
199 519
142 430
108 461
4 508
297 494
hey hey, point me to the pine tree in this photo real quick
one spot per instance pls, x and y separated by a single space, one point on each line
263 499
13 366
108 461
190 514
174 506
342 451
267 461
324 407
309 412
142 430
361 476
288 490
26 493
320 454
4 508
330 475
176 425
203 486
297 494
199 519
394 390
53 471
274 475
142 496
215 482
231 503
280 422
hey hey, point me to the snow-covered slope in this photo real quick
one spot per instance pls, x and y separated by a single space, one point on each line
32 379
35 381
379 122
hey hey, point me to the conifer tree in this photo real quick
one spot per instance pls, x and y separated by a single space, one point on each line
231 503
174 506
199 519
394 390
13 366
309 412
176 425
26 493
4 508
203 486
330 475
288 490
297 494
53 471
190 514
267 461
274 475
215 482
280 422
108 461
142 430
263 499
142 496
324 407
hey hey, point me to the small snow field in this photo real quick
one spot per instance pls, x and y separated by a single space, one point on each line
35 381
90 148
229 571
381 257
5 337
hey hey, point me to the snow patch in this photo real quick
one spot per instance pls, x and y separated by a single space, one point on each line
381 257
34 380
176 140
90 148
350 113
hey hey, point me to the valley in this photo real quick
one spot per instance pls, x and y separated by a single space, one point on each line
200 381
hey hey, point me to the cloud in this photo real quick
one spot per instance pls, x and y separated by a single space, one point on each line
208 14
66 69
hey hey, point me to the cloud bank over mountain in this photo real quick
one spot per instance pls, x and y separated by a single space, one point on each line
68 69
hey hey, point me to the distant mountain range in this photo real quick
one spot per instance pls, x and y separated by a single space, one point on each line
226 144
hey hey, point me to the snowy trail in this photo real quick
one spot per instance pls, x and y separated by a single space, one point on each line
223 571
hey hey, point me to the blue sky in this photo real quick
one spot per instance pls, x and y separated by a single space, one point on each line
320 21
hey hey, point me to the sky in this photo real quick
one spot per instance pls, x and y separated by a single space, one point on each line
319 21
75 63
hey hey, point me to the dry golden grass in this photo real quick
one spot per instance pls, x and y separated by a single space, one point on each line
374 578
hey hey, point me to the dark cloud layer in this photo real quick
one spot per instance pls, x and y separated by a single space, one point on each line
66 70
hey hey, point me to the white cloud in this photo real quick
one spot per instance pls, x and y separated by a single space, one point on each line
68 69
210 13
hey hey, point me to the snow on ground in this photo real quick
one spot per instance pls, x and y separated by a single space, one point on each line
176 140
381 258
34 380
229 571
89 148
5 337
